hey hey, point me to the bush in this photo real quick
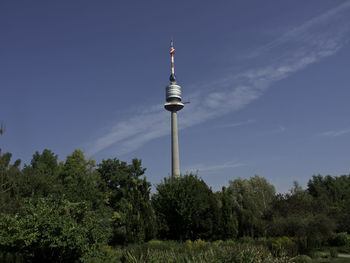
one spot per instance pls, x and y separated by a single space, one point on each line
247 240
199 243
155 242
189 244
340 239
302 259
333 252
11 257
160 244
229 242
314 254
53 230
282 245
218 243
107 254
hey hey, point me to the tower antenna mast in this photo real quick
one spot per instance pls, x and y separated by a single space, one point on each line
172 53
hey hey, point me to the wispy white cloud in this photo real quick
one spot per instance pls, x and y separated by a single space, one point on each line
211 168
280 129
335 133
133 132
338 15
237 124
316 39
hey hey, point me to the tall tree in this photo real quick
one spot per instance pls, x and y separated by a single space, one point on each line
9 192
129 196
80 180
228 221
251 199
333 195
40 178
186 208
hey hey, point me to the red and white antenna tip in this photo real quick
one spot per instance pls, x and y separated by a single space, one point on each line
172 52
172 49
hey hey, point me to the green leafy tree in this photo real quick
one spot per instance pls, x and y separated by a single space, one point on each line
332 194
186 208
80 180
297 215
129 197
251 199
9 192
40 178
228 221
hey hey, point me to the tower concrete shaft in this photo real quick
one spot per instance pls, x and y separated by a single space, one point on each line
175 162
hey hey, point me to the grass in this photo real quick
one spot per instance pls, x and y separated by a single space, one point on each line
200 251
197 252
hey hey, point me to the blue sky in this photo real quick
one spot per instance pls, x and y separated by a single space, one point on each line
268 83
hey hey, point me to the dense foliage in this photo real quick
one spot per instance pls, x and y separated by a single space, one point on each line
80 211
128 195
186 208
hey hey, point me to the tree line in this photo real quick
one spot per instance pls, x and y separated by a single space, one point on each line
67 211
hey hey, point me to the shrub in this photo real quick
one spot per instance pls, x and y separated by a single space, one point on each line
340 239
302 259
155 242
282 245
333 252
189 244
199 243
107 255
314 254
53 230
247 240
229 242
262 241
166 244
218 243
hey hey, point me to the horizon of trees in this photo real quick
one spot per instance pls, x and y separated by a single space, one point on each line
70 210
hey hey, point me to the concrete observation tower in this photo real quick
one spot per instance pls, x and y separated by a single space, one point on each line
173 104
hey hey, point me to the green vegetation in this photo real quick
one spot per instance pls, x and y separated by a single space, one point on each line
80 211
186 208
